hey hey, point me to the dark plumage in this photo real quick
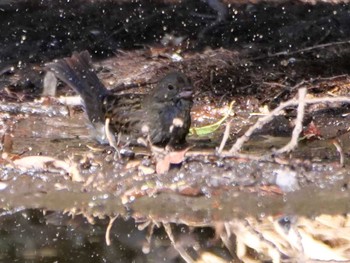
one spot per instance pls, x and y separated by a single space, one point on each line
163 115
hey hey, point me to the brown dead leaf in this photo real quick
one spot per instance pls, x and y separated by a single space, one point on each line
173 157
271 189
190 191
177 157
163 166
312 131
47 163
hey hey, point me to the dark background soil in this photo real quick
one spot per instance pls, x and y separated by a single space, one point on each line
35 32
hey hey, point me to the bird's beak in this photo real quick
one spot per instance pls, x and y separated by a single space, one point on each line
186 93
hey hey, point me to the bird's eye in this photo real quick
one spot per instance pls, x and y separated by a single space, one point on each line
170 87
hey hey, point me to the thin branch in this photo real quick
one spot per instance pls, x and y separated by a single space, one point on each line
287 53
225 137
310 48
293 143
262 121
258 125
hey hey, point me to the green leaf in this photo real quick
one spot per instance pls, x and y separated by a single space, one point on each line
208 129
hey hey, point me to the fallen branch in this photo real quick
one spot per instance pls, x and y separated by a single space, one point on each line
287 53
264 120
293 143
225 137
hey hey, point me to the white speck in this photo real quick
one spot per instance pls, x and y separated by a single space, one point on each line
145 129
3 186
178 122
176 57
287 180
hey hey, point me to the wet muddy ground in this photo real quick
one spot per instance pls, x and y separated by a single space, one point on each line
256 204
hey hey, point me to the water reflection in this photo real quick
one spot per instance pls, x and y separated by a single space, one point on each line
30 236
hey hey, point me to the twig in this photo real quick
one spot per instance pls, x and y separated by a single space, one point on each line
245 156
342 76
286 53
293 143
274 84
258 125
326 100
225 137
262 121
108 230
311 48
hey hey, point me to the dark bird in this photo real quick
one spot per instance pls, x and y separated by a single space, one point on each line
162 116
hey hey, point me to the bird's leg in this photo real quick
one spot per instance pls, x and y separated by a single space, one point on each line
111 138
144 142
157 152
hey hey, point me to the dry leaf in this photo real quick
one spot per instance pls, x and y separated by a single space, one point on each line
312 131
45 163
174 157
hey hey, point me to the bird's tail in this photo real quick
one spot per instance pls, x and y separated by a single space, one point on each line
76 71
